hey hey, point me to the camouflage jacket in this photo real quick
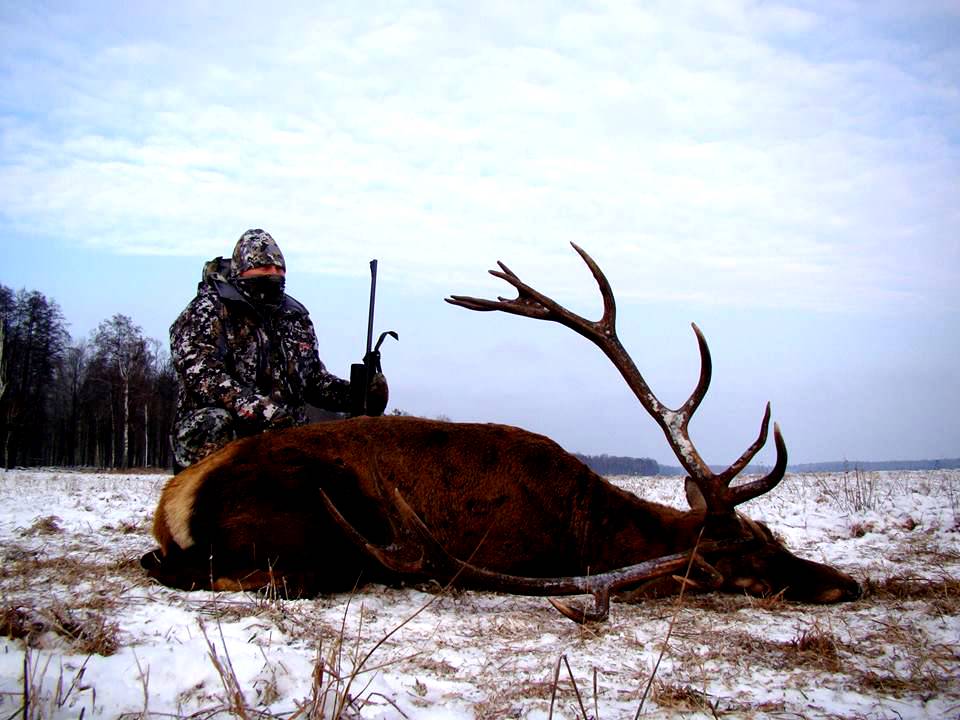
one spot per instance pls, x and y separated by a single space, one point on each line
260 364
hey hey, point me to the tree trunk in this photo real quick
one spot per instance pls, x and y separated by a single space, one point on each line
146 435
125 457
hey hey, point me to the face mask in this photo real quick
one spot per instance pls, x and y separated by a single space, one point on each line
263 289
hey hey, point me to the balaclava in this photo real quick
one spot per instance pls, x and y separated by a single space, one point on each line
256 248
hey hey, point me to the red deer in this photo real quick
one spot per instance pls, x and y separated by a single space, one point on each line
405 499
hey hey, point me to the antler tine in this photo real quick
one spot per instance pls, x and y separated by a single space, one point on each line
483 305
505 269
706 373
389 557
609 318
741 493
472 303
532 303
720 498
731 472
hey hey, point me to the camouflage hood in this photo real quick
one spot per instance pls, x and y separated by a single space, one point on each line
255 248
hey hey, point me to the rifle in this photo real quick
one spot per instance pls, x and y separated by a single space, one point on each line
361 373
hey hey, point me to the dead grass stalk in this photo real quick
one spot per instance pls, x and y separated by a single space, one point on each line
676 613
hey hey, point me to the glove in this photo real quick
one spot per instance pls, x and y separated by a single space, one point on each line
280 418
263 413
377 395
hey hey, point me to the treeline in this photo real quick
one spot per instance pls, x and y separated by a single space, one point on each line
876 465
615 465
106 401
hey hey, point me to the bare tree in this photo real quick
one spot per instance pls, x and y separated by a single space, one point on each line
71 402
3 361
123 352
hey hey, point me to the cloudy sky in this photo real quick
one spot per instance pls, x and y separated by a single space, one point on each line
786 175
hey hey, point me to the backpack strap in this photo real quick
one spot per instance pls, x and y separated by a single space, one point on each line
216 269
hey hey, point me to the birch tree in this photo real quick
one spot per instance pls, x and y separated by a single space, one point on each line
123 353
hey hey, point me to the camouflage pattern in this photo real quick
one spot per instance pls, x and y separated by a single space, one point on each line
244 367
200 432
255 248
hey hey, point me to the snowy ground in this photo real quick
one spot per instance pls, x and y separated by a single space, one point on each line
94 638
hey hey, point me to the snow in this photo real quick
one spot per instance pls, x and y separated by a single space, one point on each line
97 637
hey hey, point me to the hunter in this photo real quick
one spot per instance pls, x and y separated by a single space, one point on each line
246 358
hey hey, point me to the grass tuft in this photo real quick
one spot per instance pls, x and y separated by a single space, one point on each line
913 588
682 697
49 525
90 632
817 647
15 623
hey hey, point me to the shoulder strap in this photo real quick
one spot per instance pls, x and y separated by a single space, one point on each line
292 305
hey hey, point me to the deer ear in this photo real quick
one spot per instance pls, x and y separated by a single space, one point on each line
694 496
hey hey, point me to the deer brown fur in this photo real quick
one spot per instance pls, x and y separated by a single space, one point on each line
395 499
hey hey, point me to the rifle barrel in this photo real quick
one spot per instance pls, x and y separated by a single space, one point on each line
373 295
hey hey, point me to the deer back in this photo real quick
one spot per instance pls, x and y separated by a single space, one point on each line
511 500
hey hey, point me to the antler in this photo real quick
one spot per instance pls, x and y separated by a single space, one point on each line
436 562
719 497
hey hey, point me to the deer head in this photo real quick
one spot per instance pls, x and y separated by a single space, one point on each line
760 564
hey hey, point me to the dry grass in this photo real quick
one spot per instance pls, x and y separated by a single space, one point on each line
39 700
49 525
814 647
724 603
914 588
941 595
91 632
88 631
340 678
683 698
909 662
854 491
15 623
898 686
63 590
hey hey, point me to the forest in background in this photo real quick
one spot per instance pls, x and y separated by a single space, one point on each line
619 465
105 401
108 401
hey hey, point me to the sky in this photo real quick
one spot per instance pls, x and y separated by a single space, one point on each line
785 175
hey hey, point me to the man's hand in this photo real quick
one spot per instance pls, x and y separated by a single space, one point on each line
280 418
264 413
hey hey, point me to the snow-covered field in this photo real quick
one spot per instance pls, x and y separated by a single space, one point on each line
86 634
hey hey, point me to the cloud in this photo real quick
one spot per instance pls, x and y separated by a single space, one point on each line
708 150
